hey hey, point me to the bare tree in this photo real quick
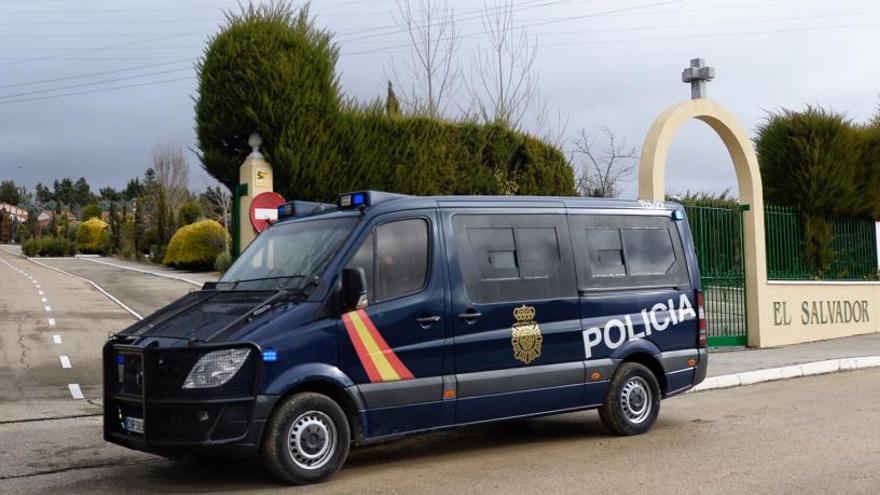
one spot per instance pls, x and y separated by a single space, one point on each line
432 69
221 202
503 86
172 174
603 168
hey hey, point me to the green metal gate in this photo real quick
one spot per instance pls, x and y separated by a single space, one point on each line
718 240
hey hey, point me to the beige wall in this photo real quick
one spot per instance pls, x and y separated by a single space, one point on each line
811 310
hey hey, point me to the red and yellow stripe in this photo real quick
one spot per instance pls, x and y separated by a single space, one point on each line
379 361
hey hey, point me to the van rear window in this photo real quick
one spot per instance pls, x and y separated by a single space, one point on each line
514 258
627 252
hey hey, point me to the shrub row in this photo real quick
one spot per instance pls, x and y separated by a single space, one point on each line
48 246
824 165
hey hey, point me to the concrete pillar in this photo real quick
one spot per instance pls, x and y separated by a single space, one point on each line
255 178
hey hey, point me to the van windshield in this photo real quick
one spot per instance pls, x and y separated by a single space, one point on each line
288 256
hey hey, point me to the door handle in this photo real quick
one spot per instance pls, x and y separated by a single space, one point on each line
428 320
470 316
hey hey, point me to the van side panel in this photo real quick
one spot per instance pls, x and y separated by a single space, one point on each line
635 291
519 350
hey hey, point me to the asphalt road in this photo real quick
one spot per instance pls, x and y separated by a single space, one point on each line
141 292
809 435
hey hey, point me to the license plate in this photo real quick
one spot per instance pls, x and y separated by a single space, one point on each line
133 425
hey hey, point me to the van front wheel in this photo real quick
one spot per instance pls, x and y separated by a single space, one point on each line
632 403
307 439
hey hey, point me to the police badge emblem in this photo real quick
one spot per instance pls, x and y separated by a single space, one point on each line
526 338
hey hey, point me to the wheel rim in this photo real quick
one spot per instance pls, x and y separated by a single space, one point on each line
636 400
311 440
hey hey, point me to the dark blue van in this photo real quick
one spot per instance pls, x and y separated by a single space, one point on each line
385 315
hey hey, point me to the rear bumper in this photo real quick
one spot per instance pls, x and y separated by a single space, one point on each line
233 428
702 366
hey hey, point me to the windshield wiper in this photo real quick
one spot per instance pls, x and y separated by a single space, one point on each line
259 279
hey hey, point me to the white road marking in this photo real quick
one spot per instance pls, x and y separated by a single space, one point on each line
65 362
48 308
38 286
56 339
51 322
44 299
40 292
75 391
96 286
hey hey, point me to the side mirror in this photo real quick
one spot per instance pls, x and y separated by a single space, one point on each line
354 289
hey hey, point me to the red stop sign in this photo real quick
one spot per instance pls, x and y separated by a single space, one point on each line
264 210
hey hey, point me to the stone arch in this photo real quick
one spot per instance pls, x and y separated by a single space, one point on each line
652 174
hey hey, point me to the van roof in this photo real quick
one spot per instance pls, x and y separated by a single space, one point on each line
390 201
384 202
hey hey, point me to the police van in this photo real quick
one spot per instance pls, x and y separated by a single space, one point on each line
385 315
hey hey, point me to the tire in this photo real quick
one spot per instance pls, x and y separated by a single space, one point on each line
307 439
632 403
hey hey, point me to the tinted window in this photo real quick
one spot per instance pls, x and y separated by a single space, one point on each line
395 259
401 258
607 259
363 258
628 252
514 258
497 259
648 251
289 254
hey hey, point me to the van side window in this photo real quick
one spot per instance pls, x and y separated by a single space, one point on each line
514 258
628 252
401 258
648 251
608 259
395 259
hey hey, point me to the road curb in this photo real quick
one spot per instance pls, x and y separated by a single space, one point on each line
785 372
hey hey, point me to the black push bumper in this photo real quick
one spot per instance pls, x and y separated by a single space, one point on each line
146 409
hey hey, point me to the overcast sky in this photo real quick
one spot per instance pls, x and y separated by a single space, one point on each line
614 63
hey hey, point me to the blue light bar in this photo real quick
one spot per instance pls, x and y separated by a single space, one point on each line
286 210
354 200
270 355
120 359
677 215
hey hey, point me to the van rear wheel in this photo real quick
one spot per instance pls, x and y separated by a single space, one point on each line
307 439
632 403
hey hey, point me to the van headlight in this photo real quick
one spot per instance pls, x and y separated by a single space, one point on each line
216 368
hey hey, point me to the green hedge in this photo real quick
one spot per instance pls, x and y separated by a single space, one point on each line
272 70
48 246
197 246
92 236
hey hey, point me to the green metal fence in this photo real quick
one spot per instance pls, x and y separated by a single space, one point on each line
854 247
718 241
